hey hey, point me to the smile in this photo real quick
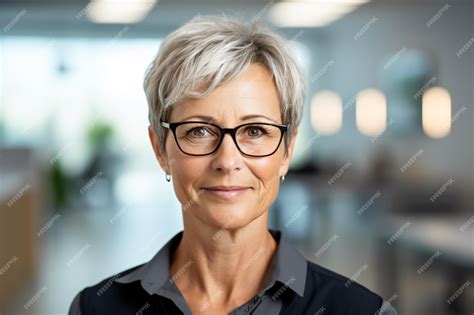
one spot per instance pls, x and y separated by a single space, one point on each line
226 194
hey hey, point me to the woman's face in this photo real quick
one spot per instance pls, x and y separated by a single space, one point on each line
252 93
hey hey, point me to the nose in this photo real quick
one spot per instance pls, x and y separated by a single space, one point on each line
227 158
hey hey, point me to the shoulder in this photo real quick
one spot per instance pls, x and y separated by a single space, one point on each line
337 283
326 290
105 293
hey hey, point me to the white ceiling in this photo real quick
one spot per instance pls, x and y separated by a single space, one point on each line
59 17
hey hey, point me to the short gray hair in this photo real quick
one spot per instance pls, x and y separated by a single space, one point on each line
210 51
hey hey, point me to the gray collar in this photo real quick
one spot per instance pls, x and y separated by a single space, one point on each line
288 267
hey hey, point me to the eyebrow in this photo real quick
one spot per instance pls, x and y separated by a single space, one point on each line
211 119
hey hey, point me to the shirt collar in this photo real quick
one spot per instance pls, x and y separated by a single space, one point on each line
288 266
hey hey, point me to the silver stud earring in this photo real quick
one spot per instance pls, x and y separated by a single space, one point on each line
168 177
282 178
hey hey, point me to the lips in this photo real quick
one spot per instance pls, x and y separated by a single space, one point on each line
226 193
225 188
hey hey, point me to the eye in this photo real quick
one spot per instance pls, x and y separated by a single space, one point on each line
198 131
254 131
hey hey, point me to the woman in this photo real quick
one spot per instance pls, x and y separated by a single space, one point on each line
225 101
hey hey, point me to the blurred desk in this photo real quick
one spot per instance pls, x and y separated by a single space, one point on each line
427 237
18 220
431 234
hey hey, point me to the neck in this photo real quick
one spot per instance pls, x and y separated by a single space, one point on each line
223 260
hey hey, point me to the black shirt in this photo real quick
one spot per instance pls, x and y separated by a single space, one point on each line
293 286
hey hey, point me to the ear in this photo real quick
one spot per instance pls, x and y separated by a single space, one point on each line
160 156
286 159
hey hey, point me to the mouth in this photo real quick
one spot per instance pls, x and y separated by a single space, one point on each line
225 188
226 192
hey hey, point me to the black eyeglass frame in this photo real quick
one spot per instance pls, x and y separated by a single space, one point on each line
223 131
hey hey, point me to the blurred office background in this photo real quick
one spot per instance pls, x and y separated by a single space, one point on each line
381 184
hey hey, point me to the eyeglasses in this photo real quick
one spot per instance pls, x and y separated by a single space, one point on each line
201 138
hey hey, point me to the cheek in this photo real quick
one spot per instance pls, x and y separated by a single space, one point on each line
182 166
268 182
266 170
186 172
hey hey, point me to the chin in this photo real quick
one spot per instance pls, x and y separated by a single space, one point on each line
229 217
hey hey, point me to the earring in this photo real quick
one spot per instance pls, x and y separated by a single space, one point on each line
168 177
282 178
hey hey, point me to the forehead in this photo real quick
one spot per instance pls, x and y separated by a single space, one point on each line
252 93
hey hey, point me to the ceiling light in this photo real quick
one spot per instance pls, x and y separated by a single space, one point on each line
436 112
118 11
311 13
371 112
